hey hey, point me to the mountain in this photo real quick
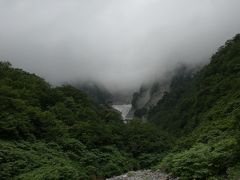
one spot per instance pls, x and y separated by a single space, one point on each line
193 131
123 97
60 133
203 113
101 95
98 93
149 95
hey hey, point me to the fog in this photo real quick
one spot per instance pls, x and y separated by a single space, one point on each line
119 43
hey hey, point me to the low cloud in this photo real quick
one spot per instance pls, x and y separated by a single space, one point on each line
120 44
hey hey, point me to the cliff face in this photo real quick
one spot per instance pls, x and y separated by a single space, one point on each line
149 95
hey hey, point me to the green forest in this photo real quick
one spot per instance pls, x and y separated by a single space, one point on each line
193 132
59 133
203 113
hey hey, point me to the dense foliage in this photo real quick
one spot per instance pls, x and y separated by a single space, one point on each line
204 111
58 133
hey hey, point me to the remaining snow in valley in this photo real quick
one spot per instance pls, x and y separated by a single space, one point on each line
124 109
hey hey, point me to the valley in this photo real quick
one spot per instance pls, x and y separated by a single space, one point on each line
120 90
124 109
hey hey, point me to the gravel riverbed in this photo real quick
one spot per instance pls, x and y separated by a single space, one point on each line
144 175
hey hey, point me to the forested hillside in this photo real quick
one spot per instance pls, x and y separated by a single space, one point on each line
204 111
96 92
58 133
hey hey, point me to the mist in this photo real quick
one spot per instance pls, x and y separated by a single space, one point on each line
120 44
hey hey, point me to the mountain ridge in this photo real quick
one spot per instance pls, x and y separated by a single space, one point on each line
202 111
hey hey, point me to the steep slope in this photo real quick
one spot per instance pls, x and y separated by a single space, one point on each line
59 133
147 97
98 93
204 110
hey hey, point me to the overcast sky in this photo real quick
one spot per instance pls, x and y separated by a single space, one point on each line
120 43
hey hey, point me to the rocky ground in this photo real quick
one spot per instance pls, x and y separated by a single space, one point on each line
144 175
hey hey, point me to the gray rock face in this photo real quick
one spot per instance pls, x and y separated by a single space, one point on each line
144 175
147 97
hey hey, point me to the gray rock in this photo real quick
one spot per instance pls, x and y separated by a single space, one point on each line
144 175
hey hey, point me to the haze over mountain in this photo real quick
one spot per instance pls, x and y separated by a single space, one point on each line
120 44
